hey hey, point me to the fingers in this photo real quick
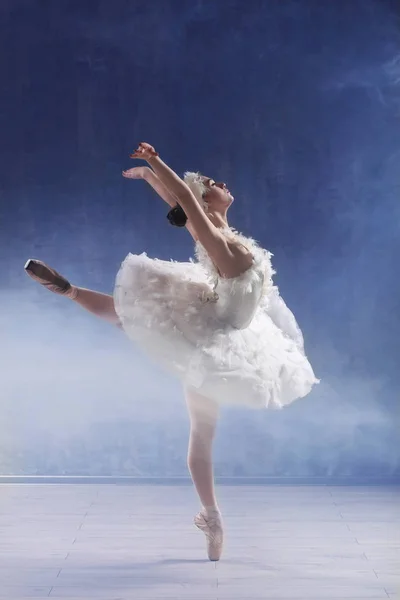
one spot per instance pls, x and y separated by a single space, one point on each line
141 149
144 151
139 153
130 174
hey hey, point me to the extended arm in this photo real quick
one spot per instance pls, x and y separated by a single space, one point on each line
228 258
205 230
157 185
152 179
148 175
178 188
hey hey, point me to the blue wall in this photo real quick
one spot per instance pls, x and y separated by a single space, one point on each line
296 104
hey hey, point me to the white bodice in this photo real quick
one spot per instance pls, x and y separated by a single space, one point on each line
237 299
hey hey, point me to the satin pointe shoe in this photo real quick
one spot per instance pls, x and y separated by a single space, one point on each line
49 278
211 526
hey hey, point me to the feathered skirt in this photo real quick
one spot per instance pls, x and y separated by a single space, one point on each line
165 308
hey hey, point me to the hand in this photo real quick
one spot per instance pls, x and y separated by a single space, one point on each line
145 151
135 173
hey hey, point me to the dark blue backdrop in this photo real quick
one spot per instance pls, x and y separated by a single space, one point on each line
296 104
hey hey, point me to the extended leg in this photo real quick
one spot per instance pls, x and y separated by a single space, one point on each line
101 305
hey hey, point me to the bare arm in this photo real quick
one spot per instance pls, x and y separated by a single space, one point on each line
152 179
148 175
204 230
229 258
157 185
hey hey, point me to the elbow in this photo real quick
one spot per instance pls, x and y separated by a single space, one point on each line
184 197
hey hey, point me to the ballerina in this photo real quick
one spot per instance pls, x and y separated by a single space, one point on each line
217 323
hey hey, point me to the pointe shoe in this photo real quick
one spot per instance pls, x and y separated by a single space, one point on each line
48 277
212 528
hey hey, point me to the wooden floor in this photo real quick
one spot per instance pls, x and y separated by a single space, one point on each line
138 542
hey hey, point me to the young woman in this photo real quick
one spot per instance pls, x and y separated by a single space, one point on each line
218 323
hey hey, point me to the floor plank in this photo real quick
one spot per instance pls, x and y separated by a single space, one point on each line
138 543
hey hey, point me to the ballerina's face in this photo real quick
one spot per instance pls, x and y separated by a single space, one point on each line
217 195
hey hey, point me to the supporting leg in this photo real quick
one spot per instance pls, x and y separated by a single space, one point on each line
203 414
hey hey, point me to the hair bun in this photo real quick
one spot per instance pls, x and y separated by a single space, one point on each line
177 216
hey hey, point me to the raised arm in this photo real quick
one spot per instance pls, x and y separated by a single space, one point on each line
206 232
152 179
148 175
229 258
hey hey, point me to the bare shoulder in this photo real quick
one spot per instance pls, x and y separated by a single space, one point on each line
230 257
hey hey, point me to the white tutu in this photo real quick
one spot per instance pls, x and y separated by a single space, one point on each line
233 340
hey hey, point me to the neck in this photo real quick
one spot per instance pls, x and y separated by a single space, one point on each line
219 220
